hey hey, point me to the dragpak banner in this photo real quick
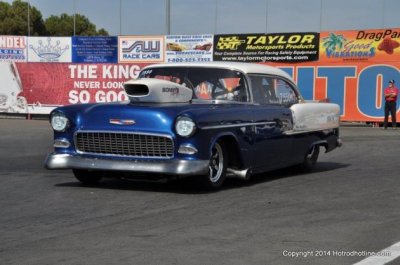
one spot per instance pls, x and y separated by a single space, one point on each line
380 45
282 47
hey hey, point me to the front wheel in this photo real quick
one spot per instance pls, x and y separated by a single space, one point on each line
217 168
310 159
87 177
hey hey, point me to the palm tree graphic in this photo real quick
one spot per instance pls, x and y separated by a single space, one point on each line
333 41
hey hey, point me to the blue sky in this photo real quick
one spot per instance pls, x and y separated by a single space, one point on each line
148 17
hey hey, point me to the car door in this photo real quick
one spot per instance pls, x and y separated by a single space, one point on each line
272 118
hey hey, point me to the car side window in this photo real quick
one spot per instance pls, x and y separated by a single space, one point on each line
272 90
264 89
218 84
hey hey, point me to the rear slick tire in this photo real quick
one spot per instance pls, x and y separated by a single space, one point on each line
310 159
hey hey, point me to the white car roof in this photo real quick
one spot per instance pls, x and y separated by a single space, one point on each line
247 68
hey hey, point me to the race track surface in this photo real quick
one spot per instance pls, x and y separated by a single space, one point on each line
348 206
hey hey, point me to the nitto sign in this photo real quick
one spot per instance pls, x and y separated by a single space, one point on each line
362 102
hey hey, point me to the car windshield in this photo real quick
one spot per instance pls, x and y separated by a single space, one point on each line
206 83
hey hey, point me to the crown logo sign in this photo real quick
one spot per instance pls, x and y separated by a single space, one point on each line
49 51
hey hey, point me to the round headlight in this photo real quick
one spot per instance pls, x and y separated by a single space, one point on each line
185 126
59 122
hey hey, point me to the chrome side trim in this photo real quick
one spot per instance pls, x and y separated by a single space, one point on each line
293 132
170 167
270 123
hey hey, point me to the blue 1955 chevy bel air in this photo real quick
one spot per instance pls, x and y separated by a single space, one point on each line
207 120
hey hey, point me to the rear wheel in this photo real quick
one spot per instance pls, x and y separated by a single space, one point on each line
87 177
217 168
310 159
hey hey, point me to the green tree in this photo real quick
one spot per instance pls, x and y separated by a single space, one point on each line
102 32
14 19
63 25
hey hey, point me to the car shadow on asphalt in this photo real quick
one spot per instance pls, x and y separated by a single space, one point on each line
292 172
187 185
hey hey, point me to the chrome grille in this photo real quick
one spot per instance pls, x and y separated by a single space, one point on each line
124 144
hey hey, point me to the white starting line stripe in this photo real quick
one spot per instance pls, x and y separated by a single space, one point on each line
394 253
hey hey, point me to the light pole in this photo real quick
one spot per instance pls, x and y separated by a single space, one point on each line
266 16
216 17
168 16
74 16
29 19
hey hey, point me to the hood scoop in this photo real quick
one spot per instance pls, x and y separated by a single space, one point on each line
157 91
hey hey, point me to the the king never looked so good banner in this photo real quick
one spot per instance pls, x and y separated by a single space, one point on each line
38 88
274 47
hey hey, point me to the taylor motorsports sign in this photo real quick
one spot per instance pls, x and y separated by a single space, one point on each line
282 47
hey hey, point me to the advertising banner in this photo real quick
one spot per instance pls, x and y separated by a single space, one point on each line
353 70
141 49
49 49
363 45
274 47
95 49
356 87
189 48
13 49
40 87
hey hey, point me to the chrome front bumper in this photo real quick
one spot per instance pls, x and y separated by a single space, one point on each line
170 167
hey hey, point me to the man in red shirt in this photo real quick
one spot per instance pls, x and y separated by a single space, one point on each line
390 93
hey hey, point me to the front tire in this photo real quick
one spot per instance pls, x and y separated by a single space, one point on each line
217 168
87 177
310 159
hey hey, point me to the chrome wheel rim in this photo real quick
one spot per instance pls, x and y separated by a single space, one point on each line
216 165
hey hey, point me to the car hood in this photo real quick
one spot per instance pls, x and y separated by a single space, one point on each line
147 117
122 117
